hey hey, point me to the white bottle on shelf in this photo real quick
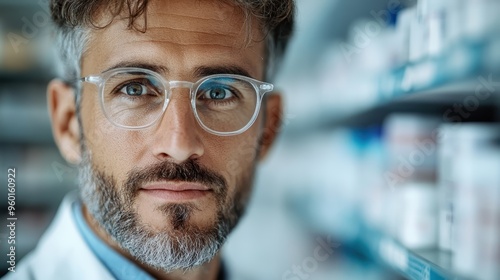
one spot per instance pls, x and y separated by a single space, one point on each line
411 175
403 28
489 233
418 39
447 151
476 229
418 225
482 20
437 29
454 22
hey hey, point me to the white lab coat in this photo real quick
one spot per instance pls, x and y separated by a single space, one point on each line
62 253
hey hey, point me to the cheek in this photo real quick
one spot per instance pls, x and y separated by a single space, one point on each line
236 156
117 151
239 170
92 120
114 150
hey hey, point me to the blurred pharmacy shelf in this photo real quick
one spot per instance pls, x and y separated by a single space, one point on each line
383 249
388 95
24 119
437 101
20 3
26 143
44 177
472 95
36 77
426 264
414 264
320 22
360 62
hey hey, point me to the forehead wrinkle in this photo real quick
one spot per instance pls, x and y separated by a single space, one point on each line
220 10
228 46
187 37
204 32
196 37
173 19
151 50
156 56
198 17
202 27
171 35
149 39
184 43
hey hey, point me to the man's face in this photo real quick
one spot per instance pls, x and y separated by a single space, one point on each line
128 176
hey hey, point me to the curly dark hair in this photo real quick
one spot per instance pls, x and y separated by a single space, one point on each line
72 17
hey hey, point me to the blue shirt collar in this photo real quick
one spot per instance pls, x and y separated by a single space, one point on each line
119 266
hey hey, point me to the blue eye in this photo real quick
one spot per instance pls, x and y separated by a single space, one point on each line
218 93
134 89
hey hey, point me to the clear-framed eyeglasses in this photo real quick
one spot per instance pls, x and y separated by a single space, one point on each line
136 98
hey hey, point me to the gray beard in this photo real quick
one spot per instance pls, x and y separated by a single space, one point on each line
182 248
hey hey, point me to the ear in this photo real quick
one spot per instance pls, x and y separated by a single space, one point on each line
65 128
272 123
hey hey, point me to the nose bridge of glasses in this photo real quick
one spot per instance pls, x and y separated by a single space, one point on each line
176 84
180 84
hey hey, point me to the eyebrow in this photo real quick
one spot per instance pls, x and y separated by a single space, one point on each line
199 72
203 71
129 64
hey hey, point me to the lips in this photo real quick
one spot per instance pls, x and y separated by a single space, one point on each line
174 191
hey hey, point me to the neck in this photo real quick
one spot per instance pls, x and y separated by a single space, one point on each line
207 271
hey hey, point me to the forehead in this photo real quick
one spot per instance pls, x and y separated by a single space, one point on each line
180 32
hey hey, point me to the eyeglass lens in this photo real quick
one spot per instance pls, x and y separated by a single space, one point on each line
135 99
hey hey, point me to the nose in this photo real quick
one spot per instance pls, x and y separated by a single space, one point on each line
177 136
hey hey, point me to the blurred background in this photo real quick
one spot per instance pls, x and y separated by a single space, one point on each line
388 163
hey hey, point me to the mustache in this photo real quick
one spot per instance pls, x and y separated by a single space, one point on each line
187 171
